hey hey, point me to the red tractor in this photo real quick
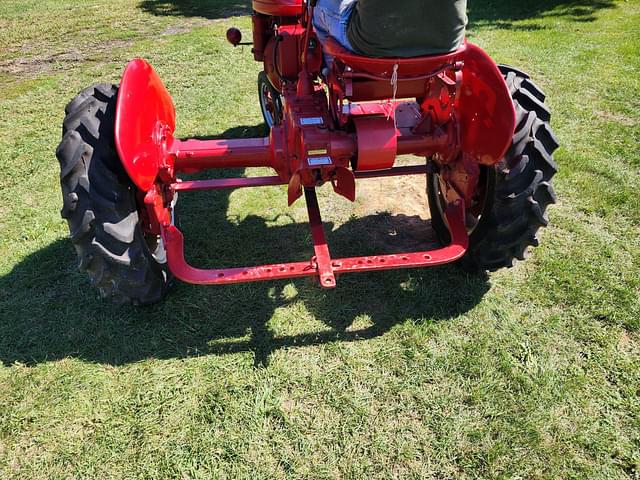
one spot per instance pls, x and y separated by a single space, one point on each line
482 131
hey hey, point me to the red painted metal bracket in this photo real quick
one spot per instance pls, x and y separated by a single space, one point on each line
321 265
245 182
322 259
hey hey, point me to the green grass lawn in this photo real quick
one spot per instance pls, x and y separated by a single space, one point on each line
531 372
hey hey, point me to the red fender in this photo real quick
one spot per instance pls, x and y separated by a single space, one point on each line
278 8
487 114
145 121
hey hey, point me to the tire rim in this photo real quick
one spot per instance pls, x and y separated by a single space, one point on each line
473 214
268 104
154 242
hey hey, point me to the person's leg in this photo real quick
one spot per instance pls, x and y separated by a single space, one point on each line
331 19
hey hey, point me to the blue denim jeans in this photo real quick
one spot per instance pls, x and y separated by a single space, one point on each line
331 19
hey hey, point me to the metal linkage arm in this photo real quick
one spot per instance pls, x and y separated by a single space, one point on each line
321 265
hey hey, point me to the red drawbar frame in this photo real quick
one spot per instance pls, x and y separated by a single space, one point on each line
321 265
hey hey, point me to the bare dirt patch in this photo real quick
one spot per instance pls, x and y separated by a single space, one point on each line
28 62
395 213
395 195
627 342
32 66
617 117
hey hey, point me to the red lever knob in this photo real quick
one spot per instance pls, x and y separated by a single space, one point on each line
234 36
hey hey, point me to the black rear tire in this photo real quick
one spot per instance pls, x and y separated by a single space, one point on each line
518 189
270 101
101 208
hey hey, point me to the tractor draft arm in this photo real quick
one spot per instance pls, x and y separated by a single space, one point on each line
321 265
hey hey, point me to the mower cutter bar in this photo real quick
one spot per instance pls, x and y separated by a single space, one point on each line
321 265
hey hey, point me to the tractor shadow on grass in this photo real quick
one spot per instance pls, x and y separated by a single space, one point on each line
503 13
210 9
49 310
495 13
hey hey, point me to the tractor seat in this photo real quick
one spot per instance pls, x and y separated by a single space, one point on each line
383 67
278 8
